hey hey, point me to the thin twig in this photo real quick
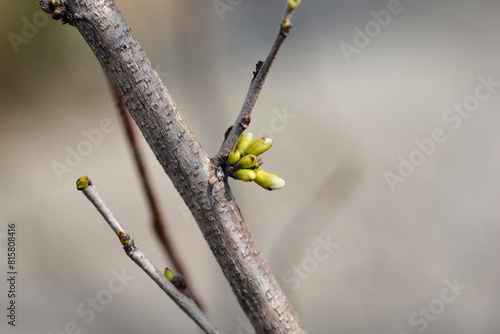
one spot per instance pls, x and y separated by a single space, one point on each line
256 85
184 302
159 224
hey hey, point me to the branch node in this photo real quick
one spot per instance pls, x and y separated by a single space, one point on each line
178 280
257 68
245 121
127 242
59 9
220 173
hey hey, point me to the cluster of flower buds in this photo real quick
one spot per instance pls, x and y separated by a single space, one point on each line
243 163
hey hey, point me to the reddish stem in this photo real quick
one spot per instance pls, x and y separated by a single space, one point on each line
159 223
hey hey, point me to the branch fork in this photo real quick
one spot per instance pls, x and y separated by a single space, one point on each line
187 304
195 176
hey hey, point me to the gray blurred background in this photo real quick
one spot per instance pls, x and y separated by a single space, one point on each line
393 254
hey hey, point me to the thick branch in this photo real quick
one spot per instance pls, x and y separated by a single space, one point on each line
186 163
159 224
256 85
185 303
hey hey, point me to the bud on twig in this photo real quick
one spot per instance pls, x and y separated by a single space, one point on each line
259 146
234 157
246 175
268 181
248 161
294 4
245 141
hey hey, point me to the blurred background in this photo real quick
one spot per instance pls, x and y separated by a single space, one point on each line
389 220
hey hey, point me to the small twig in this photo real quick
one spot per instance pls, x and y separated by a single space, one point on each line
260 74
160 225
184 302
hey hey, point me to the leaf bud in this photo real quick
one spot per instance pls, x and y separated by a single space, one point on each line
248 161
259 146
245 141
234 157
268 181
294 4
169 274
246 175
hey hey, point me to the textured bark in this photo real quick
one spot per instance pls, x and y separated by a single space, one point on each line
197 180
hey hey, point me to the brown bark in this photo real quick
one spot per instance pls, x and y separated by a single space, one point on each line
198 181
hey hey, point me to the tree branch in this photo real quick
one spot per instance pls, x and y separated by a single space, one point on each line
159 224
201 184
184 302
260 75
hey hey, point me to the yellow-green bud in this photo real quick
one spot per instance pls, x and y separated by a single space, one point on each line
287 23
169 274
259 146
82 183
268 181
234 157
124 238
248 161
245 141
246 175
294 4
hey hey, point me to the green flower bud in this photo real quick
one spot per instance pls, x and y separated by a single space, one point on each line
246 175
259 146
169 274
248 161
125 238
82 183
287 23
245 141
294 4
234 157
268 181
